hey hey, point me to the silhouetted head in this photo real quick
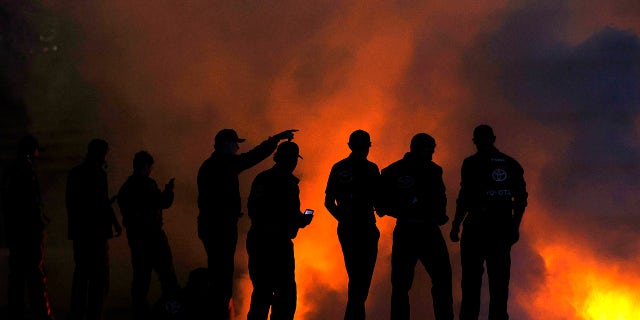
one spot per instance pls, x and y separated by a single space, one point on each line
28 146
423 145
97 150
360 142
227 140
483 137
287 155
142 162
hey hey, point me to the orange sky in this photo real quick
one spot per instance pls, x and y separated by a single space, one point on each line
165 76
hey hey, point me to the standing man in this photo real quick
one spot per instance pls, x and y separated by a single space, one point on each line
91 224
220 205
491 202
141 203
414 193
25 226
274 209
350 197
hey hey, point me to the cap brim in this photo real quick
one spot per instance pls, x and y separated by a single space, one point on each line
241 140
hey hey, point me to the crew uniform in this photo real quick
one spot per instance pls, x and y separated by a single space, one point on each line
274 209
353 184
25 236
418 201
141 203
492 187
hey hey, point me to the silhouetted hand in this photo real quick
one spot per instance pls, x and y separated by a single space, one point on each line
455 232
287 134
170 185
306 220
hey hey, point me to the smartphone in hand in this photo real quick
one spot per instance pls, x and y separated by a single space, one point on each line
308 211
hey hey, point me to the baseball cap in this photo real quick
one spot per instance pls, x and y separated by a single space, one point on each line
288 148
227 135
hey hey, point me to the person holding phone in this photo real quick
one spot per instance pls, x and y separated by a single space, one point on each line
350 198
141 203
274 210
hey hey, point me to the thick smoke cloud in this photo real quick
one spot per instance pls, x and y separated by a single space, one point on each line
592 90
558 80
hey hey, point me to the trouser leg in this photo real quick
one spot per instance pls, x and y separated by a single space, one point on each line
360 251
498 272
221 247
16 283
403 262
435 258
284 288
98 280
472 260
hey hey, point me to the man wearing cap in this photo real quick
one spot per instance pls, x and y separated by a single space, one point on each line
25 226
274 209
219 207
350 198
490 205
414 193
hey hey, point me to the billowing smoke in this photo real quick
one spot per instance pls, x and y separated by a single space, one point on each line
558 80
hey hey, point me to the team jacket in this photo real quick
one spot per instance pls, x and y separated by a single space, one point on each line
354 183
21 201
492 184
413 190
274 204
89 211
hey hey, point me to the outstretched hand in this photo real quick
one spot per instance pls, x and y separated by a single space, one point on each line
287 134
170 185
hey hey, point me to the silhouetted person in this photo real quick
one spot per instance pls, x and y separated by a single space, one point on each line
25 226
491 202
141 203
193 297
274 209
414 194
219 204
349 197
91 221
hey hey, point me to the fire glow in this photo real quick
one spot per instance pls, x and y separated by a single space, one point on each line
167 76
580 286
